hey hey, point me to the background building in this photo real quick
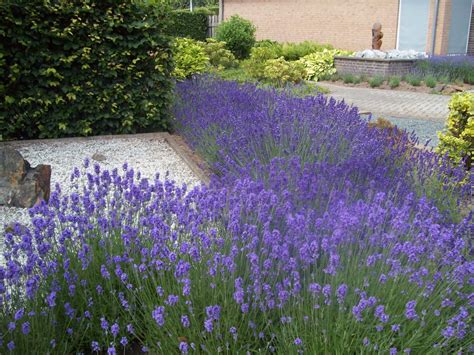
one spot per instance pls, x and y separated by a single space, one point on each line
433 26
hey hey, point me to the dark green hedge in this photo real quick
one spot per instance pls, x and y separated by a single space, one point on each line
83 67
190 24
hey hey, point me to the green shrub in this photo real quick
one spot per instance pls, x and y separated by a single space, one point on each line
295 51
458 140
394 82
321 64
413 80
238 74
376 81
430 81
304 89
238 34
190 58
255 65
219 56
348 78
267 43
280 72
189 24
75 68
332 77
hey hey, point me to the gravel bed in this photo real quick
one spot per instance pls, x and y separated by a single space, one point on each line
150 154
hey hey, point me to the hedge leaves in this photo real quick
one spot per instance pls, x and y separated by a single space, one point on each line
83 67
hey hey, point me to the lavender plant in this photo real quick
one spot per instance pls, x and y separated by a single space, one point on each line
451 67
316 235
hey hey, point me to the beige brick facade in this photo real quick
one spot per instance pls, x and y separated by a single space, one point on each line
345 24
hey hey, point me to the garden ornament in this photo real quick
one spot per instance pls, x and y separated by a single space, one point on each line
377 36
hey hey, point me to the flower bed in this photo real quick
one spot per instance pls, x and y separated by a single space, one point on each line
317 234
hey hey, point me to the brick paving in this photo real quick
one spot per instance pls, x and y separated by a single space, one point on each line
394 103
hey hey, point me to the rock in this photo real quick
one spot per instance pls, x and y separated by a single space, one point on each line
20 184
99 157
439 87
452 89
391 54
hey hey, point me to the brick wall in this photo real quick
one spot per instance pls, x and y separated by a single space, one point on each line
345 24
470 44
373 67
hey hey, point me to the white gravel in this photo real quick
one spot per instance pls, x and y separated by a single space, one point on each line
147 153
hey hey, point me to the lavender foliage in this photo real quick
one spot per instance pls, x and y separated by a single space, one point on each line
317 234
450 68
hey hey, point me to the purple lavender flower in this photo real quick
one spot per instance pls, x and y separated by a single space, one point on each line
95 346
341 293
185 321
19 314
159 315
183 347
209 325
104 324
25 328
410 312
114 329
11 345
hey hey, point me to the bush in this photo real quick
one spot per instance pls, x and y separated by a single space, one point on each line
394 82
238 34
451 68
348 78
219 56
458 140
430 81
189 24
412 79
280 72
84 67
321 64
376 81
190 58
255 65
295 51
300 152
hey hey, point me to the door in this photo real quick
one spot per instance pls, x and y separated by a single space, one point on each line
413 25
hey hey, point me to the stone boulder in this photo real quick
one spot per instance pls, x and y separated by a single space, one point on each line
20 184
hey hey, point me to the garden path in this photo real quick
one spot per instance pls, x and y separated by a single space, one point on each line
388 103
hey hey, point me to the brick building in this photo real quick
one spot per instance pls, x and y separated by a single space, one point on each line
439 26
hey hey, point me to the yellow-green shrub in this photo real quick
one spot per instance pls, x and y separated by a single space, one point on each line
280 72
257 62
458 140
219 56
190 58
295 51
320 64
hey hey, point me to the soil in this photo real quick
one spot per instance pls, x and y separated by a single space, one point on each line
449 89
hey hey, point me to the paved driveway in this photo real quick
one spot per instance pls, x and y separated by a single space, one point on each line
404 104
